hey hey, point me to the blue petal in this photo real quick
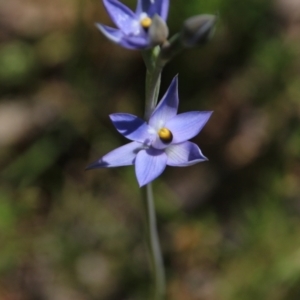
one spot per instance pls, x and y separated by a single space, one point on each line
157 143
152 7
167 107
115 35
121 15
136 42
132 127
187 125
149 164
184 154
118 37
122 156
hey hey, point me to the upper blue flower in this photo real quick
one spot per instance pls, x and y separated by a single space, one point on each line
163 141
133 32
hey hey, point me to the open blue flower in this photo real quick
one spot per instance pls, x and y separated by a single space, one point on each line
161 142
134 28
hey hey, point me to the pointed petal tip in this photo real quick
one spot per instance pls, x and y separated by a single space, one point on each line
95 165
88 168
143 183
204 158
175 80
98 25
184 154
168 105
132 127
113 34
209 114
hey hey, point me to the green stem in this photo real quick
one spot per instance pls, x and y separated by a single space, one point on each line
153 244
153 77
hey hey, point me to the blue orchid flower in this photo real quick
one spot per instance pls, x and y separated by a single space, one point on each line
161 142
134 28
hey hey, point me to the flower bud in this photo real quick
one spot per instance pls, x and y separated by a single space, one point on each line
158 31
197 30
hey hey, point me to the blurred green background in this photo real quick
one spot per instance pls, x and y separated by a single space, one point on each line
229 228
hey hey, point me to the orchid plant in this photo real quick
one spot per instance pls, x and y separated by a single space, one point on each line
161 138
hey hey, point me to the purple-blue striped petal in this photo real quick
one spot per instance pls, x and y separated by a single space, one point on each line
185 126
152 7
122 16
132 127
167 107
122 156
149 164
184 154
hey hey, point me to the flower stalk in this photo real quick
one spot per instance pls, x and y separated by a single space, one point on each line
153 77
153 244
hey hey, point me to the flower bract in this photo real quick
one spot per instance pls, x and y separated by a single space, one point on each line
134 28
160 142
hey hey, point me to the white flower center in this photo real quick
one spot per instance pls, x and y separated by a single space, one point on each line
136 27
